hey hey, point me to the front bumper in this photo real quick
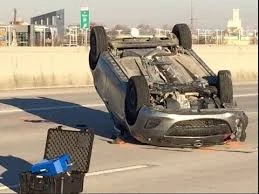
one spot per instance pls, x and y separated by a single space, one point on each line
165 133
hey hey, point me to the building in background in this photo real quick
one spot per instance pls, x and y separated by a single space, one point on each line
53 22
14 35
236 35
3 35
235 23
74 36
21 35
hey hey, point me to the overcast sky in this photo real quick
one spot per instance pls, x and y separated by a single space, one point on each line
208 13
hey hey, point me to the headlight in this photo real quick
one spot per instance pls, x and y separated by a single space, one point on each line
152 123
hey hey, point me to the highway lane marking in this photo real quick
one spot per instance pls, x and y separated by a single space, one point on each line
251 112
85 105
115 170
15 110
97 173
245 95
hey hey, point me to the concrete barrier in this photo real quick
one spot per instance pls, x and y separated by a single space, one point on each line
242 61
31 67
37 67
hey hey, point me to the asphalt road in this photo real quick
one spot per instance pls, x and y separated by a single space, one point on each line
25 117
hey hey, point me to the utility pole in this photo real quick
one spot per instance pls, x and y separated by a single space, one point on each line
14 16
191 17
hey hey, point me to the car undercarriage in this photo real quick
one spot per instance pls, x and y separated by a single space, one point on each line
173 84
162 92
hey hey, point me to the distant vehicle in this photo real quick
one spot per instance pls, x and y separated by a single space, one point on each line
162 93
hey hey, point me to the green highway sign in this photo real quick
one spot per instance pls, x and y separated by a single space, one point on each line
84 18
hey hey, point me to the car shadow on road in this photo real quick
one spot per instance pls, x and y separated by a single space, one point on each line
65 114
59 113
14 166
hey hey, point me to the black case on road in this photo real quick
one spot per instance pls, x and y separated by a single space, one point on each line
62 183
78 144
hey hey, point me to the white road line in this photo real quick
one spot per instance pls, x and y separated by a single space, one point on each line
251 112
116 170
51 108
85 105
245 95
97 173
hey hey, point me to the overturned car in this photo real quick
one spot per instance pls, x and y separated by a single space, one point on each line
162 93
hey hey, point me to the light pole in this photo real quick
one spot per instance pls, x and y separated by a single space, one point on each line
191 17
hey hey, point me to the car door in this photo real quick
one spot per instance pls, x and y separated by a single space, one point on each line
100 79
116 88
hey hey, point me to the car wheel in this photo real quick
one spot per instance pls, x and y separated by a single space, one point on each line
137 95
243 137
225 87
98 44
184 35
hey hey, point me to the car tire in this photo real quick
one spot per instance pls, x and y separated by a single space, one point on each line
98 44
225 87
137 95
184 35
243 137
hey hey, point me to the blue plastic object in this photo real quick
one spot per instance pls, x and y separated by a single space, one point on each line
52 167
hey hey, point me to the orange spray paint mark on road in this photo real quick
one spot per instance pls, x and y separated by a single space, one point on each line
233 144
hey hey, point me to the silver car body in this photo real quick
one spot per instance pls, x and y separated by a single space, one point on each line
111 77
